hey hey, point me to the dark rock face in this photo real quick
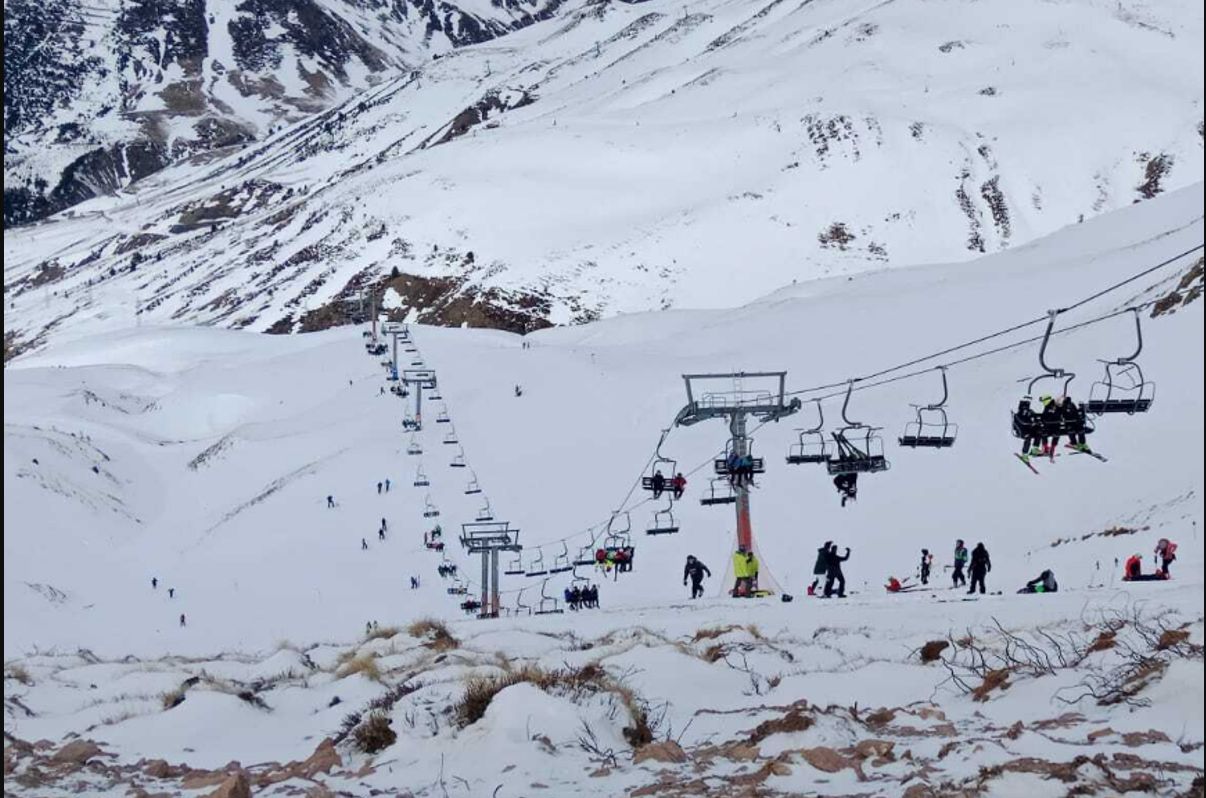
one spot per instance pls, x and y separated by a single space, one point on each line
98 95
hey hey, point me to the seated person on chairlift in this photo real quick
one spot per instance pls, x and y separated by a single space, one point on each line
1073 417
659 484
847 486
1043 583
679 484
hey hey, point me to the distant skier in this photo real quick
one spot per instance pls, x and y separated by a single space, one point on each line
695 570
379 487
384 526
833 572
980 566
927 562
154 583
847 486
387 484
414 583
518 390
1166 550
957 578
171 592
679 484
363 544
819 567
182 619
381 534
330 502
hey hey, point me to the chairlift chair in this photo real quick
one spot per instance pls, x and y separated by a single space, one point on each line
586 554
1033 424
664 466
435 395
459 460
515 566
442 417
471 605
430 510
561 563
421 480
859 448
451 438
721 464
485 513
811 447
520 607
472 487
537 567
413 448
663 521
720 491
1123 389
548 604
458 588
932 429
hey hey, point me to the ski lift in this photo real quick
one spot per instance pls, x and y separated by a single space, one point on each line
562 563
578 580
417 363
515 566
471 605
435 395
659 480
721 465
520 607
586 554
430 510
421 480
663 520
720 491
537 567
548 604
451 438
619 527
811 447
458 587
413 448
933 431
472 487
409 422
485 513
1123 390
859 448
459 460
442 417
1028 424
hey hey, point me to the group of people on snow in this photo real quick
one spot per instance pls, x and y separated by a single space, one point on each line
829 566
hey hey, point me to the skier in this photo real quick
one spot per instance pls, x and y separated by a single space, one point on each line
568 595
1049 420
1027 423
518 390
695 569
171 592
414 583
1043 583
833 572
679 483
1072 418
363 544
154 583
658 483
927 561
576 598
379 486
182 619
731 464
847 485
381 534
330 502
980 566
820 567
1166 550
387 484
957 578
592 597
897 586
384 526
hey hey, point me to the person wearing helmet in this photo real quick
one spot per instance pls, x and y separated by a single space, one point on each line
1049 421
1026 426
1072 419
695 570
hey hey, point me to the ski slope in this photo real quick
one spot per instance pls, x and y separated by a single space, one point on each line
215 451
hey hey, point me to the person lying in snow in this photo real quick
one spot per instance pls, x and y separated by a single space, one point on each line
1133 571
1043 583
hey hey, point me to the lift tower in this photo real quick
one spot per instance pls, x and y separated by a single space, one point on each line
736 397
488 538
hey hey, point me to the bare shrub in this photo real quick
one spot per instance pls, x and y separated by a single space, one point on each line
382 633
435 633
365 664
374 734
19 673
173 698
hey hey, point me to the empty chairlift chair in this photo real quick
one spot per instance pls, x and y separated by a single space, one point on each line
520 607
932 429
536 566
811 448
485 513
562 563
858 447
450 438
442 417
429 509
421 480
719 492
515 565
413 448
458 461
1123 389
472 487
548 604
663 522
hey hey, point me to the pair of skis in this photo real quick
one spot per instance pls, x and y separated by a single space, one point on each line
1026 461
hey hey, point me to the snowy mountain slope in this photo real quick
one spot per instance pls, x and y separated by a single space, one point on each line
215 450
100 94
625 157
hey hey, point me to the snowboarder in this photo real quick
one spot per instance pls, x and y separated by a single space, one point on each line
182 619
820 567
171 592
363 544
695 569
679 483
847 486
1043 583
154 583
927 561
980 566
658 483
330 502
1166 550
379 487
957 578
833 572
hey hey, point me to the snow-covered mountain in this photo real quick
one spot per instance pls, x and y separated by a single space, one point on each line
622 157
101 93
203 457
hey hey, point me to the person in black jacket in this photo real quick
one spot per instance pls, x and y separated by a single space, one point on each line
980 566
820 567
695 569
833 572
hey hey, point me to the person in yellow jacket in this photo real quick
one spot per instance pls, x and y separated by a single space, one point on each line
745 572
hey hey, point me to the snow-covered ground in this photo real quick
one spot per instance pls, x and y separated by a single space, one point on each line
203 458
624 157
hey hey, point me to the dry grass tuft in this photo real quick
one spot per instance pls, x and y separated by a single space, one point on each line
374 734
435 633
173 698
713 632
383 633
19 673
365 664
